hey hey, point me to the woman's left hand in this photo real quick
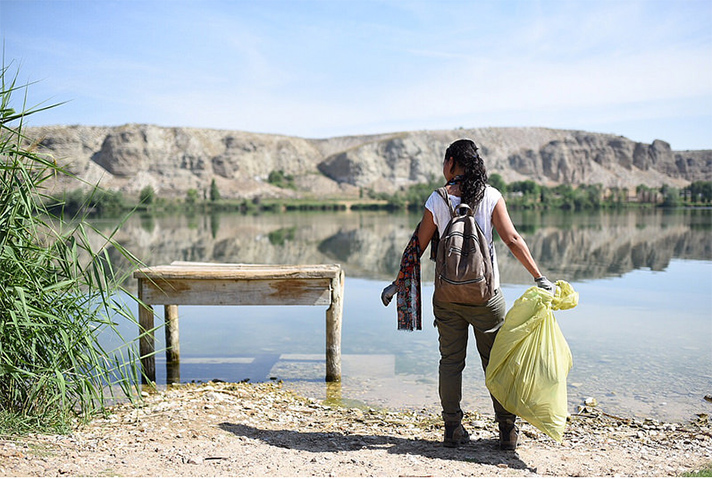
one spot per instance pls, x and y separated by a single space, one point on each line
388 293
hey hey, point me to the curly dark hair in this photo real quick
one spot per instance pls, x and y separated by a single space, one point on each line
472 185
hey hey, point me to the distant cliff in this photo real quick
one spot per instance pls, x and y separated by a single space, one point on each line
173 160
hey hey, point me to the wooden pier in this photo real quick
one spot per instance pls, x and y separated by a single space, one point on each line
184 283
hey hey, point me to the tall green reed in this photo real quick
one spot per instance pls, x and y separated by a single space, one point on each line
58 294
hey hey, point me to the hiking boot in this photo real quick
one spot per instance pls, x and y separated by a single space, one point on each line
508 435
455 434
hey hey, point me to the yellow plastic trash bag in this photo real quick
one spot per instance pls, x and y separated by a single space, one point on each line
530 360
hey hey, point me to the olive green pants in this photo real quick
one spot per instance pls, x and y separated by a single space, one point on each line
453 322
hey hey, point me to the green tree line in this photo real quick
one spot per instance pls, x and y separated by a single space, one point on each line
525 194
531 195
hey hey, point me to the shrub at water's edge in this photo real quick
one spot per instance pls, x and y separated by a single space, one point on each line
57 295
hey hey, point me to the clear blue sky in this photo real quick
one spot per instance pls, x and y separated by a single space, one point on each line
641 69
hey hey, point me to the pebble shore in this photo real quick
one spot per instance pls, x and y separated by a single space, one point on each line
225 429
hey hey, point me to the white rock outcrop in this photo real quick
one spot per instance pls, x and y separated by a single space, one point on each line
173 160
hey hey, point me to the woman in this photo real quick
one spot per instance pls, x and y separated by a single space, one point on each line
466 177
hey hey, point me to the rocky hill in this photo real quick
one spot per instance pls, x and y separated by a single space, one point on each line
173 160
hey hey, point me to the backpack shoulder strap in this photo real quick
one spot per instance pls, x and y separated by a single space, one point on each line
443 194
454 212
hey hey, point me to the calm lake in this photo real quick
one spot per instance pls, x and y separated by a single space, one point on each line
641 336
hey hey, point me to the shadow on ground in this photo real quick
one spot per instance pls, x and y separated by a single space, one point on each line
482 451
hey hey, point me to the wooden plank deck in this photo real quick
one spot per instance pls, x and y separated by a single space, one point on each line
237 284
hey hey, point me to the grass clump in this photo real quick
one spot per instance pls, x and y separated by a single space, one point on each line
57 296
706 471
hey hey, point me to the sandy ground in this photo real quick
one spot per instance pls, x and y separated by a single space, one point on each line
264 430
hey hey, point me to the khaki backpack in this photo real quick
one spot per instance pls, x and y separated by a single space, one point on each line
463 265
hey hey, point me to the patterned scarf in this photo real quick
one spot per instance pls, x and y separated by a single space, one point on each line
408 287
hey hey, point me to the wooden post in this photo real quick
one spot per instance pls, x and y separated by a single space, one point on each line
172 333
172 373
333 329
147 341
172 343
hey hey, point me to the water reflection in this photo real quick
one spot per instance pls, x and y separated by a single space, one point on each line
640 335
369 244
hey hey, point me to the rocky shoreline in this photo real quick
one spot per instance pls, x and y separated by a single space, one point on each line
225 429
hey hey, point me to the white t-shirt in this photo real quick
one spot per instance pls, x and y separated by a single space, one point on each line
483 215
